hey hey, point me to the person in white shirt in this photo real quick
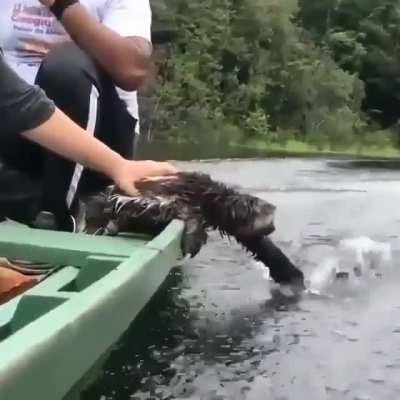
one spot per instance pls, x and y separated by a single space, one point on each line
90 57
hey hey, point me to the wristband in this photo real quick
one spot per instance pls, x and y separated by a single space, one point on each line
60 6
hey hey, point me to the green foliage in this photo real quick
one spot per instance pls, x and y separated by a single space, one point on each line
268 67
363 36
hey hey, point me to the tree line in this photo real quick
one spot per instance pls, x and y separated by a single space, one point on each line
323 72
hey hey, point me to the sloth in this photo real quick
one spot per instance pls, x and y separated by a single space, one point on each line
203 204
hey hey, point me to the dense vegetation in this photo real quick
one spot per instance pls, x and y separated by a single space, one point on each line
325 72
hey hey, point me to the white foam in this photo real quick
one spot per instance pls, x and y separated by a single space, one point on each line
362 254
323 275
265 274
367 255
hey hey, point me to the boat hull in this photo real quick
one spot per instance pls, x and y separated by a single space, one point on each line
46 357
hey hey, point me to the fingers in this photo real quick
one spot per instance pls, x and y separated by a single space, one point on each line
169 169
133 172
159 178
128 187
160 168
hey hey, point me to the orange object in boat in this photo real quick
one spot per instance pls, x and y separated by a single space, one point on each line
13 283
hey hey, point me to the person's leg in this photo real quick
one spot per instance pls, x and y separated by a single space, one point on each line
77 86
20 154
20 186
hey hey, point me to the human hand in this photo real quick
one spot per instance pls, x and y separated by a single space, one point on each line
129 172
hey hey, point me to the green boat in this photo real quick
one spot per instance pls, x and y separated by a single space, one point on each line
53 333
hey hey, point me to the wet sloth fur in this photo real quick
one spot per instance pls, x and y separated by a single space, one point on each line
202 204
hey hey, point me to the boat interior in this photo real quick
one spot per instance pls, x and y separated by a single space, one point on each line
40 270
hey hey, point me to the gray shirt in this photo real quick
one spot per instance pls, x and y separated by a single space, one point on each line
22 106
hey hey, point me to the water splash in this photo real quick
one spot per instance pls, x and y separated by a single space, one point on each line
355 260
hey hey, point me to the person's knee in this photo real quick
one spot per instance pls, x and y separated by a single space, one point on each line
67 74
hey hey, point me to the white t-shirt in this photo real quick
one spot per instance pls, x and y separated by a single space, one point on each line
28 30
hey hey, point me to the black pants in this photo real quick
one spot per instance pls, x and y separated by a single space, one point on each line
80 89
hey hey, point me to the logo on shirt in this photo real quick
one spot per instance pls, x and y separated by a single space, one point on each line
35 32
35 19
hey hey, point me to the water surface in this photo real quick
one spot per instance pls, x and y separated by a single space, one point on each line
213 331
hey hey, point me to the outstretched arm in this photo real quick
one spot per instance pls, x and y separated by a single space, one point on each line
62 136
26 110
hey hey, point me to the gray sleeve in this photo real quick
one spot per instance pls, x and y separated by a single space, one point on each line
22 106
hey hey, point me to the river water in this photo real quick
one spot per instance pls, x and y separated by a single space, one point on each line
214 331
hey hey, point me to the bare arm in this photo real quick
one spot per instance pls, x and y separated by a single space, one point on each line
25 108
62 136
126 59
